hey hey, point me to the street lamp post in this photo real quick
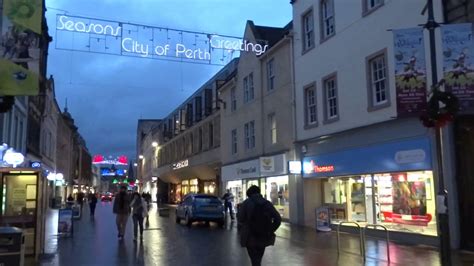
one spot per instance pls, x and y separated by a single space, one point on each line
442 197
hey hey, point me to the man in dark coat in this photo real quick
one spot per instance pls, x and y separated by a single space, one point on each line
258 221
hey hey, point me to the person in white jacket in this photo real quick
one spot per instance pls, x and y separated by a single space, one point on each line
139 212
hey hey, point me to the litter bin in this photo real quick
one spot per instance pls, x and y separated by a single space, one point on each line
12 250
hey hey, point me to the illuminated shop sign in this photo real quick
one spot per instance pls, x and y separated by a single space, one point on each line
128 39
323 169
311 167
35 164
180 164
294 167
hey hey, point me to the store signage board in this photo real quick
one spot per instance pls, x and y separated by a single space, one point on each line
35 164
294 167
181 164
410 156
396 156
267 164
129 39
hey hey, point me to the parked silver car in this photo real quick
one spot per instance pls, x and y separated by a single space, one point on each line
200 207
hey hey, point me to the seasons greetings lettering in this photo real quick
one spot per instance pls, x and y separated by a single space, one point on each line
142 48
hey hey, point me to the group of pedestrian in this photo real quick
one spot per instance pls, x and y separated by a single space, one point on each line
124 205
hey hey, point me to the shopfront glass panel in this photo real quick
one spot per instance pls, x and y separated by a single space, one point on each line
193 186
19 206
277 193
178 193
236 188
184 187
345 198
210 188
400 201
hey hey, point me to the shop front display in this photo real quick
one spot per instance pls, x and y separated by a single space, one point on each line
210 187
277 193
390 184
400 201
22 205
268 173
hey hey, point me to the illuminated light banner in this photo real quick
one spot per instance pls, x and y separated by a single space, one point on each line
99 159
127 39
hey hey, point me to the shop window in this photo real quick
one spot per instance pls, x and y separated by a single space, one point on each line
402 202
18 200
210 188
237 189
193 186
277 193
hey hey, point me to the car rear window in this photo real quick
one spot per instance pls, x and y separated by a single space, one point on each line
204 199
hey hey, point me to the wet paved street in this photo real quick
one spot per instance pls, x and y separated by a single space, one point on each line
166 243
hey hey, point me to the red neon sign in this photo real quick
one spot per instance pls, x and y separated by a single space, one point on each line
321 169
324 169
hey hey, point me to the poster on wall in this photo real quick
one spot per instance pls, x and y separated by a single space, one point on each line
322 219
458 63
410 71
20 47
409 197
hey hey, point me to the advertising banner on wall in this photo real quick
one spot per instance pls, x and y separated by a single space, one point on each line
458 63
410 71
19 49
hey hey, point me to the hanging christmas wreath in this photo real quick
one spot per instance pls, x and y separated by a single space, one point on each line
441 109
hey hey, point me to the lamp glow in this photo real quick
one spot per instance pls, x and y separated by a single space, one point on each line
154 144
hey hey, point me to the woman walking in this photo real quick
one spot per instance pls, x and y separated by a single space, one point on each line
139 212
122 210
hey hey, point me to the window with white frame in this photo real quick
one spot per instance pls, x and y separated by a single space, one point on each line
310 105
249 130
233 100
248 88
273 128
330 91
270 75
233 139
327 22
378 80
372 4
308 30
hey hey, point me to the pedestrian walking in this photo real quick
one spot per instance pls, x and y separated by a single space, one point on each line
258 220
139 212
228 199
121 209
92 203
80 199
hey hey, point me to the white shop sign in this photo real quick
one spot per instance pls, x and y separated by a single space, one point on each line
243 170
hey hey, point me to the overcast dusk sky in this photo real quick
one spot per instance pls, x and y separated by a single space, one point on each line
107 94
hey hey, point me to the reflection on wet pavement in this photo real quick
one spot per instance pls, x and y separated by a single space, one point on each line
167 243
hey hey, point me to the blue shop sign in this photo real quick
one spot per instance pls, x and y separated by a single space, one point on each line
406 155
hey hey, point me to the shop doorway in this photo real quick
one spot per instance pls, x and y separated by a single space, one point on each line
464 145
